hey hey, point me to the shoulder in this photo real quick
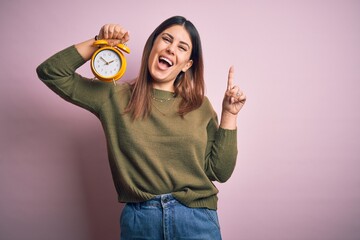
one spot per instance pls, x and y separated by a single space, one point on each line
207 104
207 109
121 92
211 113
123 88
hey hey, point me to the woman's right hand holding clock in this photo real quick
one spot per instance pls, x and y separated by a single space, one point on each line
114 34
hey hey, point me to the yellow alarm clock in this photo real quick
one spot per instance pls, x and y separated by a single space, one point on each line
108 63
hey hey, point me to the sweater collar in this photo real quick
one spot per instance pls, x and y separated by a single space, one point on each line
162 94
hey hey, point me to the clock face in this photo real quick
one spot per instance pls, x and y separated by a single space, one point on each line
107 63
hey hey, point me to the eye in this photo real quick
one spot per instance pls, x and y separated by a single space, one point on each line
166 39
183 48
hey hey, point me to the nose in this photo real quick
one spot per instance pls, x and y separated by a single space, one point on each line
170 49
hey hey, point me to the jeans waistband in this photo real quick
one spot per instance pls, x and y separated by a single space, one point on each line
159 201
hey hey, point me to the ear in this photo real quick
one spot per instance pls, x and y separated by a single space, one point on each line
187 65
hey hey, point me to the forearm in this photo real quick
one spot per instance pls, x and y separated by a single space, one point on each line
61 65
67 61
59 74
222 156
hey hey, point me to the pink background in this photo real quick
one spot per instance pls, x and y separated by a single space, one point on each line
297 176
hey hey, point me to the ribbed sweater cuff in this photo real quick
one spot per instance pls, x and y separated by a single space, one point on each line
226 134
73 58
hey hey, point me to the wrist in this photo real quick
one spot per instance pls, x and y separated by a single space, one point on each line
86 48
228 120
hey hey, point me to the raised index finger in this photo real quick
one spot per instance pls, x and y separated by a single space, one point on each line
230 78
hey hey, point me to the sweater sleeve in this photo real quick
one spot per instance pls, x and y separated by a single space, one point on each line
221 152
58 73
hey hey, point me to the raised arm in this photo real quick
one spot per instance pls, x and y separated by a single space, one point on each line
234 100
59 71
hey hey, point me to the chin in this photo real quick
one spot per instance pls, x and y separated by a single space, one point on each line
160 76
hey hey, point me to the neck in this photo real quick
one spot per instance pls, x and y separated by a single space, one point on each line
164 87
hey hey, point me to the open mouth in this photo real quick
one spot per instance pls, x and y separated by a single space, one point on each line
165 62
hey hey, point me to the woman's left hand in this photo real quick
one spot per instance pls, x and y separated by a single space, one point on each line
234 98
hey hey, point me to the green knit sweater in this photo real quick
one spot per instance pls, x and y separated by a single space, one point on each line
163 153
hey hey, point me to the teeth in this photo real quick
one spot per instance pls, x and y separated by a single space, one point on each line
166 60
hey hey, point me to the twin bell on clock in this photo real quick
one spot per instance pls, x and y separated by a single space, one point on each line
108 63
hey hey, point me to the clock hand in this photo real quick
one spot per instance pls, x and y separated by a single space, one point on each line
104 60
111 61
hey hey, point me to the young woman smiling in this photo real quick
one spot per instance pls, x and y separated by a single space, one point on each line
165 145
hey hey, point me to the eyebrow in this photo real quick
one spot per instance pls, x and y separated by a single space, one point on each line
172 38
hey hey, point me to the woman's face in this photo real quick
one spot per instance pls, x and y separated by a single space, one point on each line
169 56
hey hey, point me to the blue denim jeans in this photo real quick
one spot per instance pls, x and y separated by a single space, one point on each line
164 218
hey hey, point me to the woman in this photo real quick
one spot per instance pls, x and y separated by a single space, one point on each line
165 146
